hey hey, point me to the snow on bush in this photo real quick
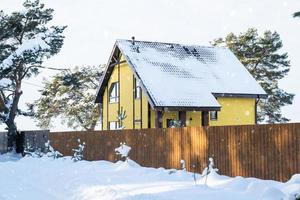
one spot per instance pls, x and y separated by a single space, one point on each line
78 153
123 150
209 170
51 152
182 162
32 151
120 117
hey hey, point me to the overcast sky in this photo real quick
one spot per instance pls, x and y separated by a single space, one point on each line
94 25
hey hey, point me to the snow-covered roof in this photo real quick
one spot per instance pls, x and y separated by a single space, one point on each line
190 76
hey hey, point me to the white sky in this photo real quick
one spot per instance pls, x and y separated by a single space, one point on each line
94 25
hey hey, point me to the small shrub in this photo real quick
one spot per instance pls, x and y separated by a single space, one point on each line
123 151
32 151
182 162
78 153
50 152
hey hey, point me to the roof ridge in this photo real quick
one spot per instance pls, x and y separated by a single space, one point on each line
169 43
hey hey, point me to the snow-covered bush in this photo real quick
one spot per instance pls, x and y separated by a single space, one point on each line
175 123
182 162
121 116
32 151
123 151
50 152
78 153
209 169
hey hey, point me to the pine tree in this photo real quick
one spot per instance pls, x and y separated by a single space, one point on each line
26 40
296 14
70 95
262 56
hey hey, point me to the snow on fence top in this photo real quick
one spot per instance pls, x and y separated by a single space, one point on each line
187 75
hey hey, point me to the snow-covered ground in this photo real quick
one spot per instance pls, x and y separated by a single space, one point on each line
48 179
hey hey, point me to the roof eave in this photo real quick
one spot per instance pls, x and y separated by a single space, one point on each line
188 108
240 95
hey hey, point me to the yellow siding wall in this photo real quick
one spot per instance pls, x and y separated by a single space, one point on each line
126 94
152 120
166 115
113 107
125 77
104 111
145 111
169 115
234 111
193 118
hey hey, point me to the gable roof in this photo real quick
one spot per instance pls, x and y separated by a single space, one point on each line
186 76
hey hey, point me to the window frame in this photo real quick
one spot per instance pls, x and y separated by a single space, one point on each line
137 89
213 117
114 99
140 124
116 125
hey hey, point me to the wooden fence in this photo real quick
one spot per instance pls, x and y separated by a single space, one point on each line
262 151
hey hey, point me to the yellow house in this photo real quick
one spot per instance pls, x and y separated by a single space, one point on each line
160 85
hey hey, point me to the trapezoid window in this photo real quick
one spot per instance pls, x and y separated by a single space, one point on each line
114 92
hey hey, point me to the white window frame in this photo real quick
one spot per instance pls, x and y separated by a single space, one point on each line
213 115
113 125
137 89
114 92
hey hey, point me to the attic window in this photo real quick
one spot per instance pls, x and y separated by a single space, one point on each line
114 93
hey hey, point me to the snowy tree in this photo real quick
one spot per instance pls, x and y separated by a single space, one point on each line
262 56
26 40
70 95
78 153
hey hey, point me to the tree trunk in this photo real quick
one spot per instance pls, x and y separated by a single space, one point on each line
12 128
11 136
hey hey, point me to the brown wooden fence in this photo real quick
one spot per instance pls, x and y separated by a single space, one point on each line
262 151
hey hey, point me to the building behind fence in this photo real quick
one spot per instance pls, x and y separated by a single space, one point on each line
34 138
3 142
262 151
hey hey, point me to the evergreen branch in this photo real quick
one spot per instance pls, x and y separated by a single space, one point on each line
53 68
296 14
23 31
43 67
82 123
